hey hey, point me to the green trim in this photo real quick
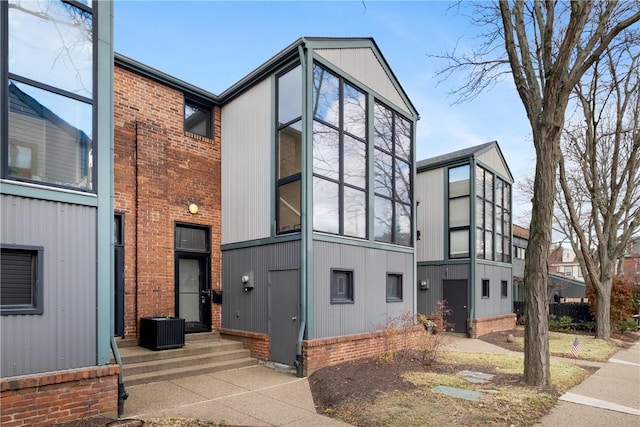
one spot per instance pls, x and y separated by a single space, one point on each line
465 261
306 185
362 243
260 242
104 250
472 244
35 191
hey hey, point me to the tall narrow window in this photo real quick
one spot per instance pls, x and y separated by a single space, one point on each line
459 213
484 214
503 221
394 287
49 134
289 151
504 289
392 176
339 156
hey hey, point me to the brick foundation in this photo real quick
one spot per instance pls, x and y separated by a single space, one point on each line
332 351
255 342
487 325
58 397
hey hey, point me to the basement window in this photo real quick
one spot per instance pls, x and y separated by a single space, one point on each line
21 280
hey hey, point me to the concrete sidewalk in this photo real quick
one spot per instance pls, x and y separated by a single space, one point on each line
609 397
253 396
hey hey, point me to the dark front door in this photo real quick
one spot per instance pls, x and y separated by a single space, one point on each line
456 293
284 310
192 294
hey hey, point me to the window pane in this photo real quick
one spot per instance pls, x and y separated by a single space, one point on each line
355 112
49 137
197 120
499 250
459 181
499 192
18 273
289 207
191 238
479 181
326 151
290 150
479 212
498 220
403 138
383 219
290 96
355 213
403 224
326 96
488 215
341 287
488 187
459 244
383 169
383 127
507 197
488 242
326 216
403 181
51 42
394 287
480 250
459 212
355 162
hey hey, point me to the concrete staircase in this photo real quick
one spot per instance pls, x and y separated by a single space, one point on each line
202 353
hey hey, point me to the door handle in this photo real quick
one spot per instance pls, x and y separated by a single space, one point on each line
294 318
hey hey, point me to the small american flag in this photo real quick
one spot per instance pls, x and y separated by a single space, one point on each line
575 348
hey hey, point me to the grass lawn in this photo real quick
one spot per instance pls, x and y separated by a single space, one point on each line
560 344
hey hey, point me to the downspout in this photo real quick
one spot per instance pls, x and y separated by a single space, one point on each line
303 219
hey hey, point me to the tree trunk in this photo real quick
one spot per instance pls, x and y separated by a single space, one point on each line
603 311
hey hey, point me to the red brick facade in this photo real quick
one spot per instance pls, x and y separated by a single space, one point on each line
159 170
58 397
257 343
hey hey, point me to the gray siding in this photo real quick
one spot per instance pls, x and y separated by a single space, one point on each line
495 305
430 218
363 64
370 310
493 160
435 274
249 311
64 336
246 165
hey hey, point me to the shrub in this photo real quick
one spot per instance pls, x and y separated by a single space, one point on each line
564 323
628 325
621 299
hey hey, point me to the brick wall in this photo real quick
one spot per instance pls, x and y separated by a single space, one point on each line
159 170
332 351
57 397
487 325
257 344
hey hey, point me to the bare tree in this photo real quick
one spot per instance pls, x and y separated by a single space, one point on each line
547 47
599 172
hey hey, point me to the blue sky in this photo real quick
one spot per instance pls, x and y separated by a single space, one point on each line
213 44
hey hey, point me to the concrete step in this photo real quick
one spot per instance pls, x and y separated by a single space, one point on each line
187 371
140 354
162 365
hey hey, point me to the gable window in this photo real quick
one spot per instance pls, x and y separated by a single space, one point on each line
341 286
339 156
288 150
504 289
484 214
197 119
394 287
485 288
459 211
392 176
48 109
21 280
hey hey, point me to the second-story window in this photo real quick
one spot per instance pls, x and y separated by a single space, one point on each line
197 119
459 213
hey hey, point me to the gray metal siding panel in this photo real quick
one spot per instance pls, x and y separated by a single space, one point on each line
493 159
435 274
64 336
362 64
249 311
246 165
495 305
370 311
430 218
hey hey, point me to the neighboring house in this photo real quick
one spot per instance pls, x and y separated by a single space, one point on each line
565 287
302 176
57 213
630 266
563 262
520 242
464 254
